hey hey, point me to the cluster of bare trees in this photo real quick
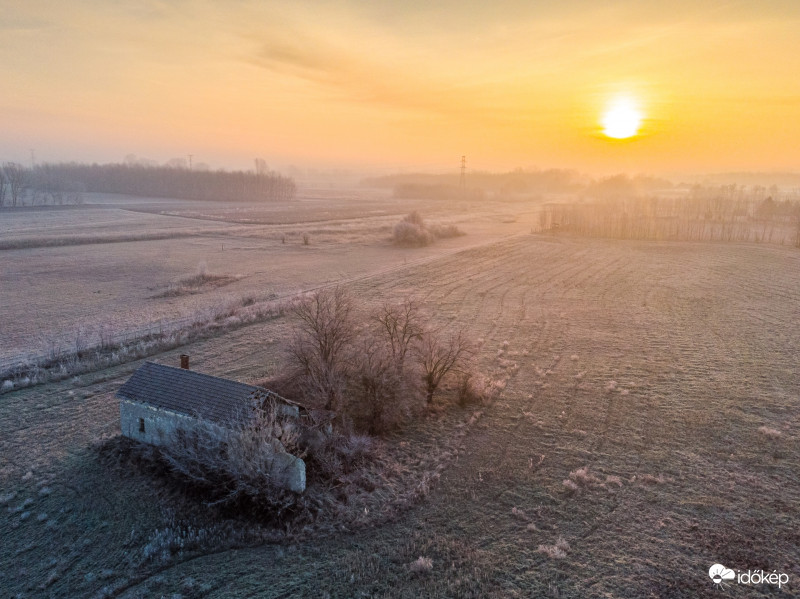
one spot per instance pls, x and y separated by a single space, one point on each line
60 183
700 217
373 369
13 182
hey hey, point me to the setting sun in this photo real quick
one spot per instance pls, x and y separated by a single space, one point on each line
622 118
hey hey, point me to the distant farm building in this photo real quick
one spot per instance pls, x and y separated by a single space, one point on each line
158 400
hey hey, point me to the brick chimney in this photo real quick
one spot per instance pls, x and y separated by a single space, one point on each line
185 361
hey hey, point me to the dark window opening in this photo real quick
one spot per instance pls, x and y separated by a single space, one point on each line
141 425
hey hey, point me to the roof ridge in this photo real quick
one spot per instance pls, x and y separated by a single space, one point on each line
227 380
211 376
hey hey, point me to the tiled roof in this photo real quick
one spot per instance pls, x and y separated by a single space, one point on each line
192 393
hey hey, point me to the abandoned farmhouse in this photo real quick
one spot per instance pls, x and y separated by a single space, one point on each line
158 400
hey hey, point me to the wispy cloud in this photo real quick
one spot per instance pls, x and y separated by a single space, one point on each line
346 75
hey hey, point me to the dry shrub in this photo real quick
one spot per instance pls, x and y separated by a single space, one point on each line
519 514
557 551
413 232
415 218
445 231
581 479
410 235
339 455
476 389
422 565
232 465
176 538
770 433
570 486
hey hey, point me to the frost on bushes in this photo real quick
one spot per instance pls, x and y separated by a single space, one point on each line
445 231
237 464
476 390
109 348
413 232
409 234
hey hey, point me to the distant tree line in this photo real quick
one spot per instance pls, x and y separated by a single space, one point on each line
55 184
518 183
728 215
419 191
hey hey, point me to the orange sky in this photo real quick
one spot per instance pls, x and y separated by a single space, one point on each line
402 85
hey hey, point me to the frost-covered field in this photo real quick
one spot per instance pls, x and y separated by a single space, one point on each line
110 264
648 429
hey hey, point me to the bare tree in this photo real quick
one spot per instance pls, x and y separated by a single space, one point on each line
323 342
437 358
2 188
15 176
377 381
402 325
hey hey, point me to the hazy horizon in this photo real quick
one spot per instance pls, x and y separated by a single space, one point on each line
380 87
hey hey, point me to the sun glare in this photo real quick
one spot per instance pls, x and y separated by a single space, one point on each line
622 118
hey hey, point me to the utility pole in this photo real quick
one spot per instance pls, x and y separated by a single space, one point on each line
463 181
33 158
190 161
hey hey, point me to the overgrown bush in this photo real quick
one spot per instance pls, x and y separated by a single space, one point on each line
411 235
445 231
413 232
235 464
475 389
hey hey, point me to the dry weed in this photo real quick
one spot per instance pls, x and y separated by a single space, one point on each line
556 551
519 514
422 565
770 433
